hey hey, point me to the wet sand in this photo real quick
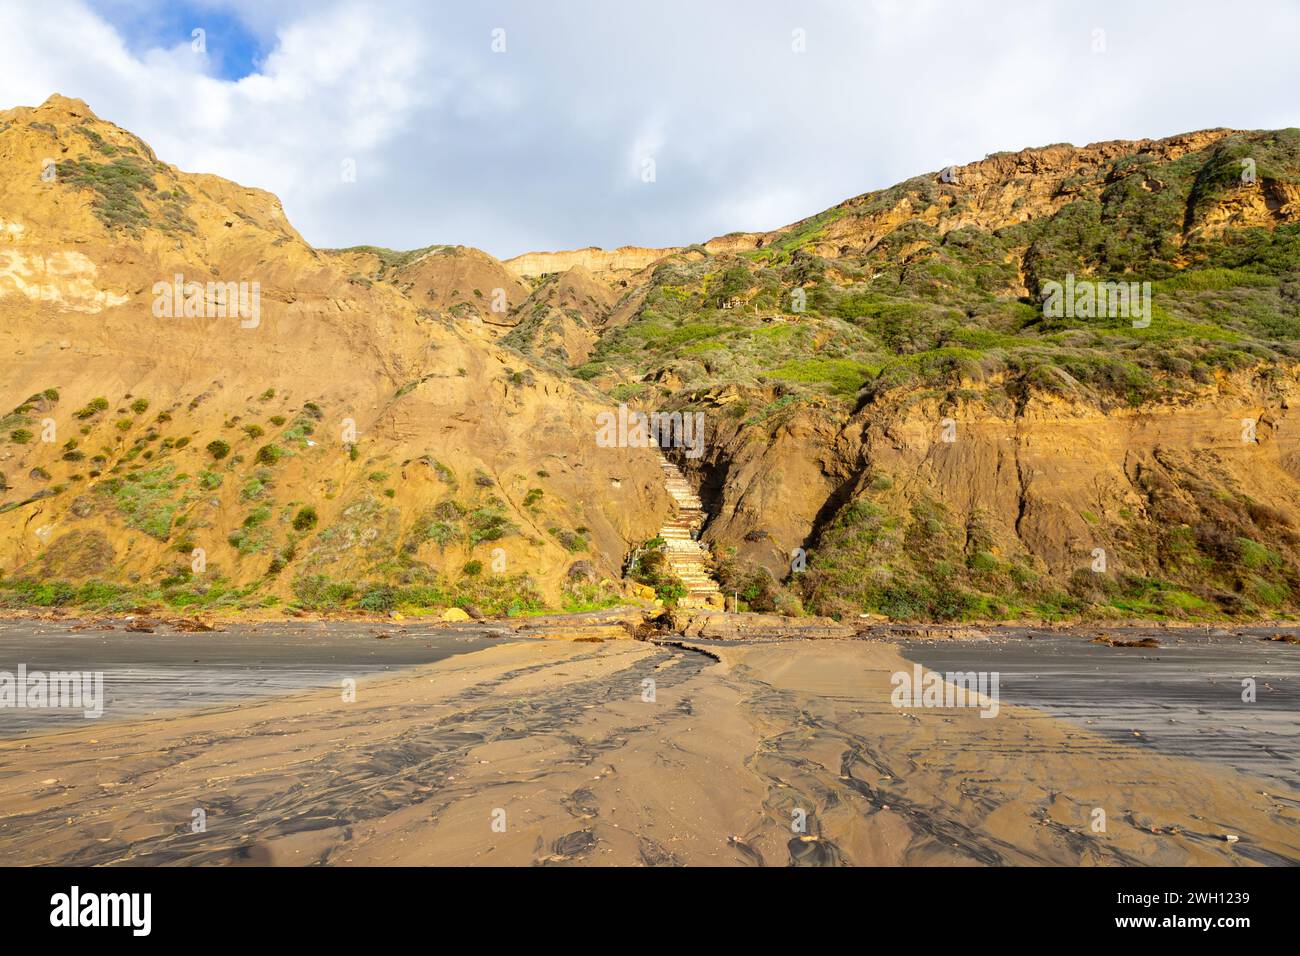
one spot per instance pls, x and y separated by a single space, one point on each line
1182 698
151 674
548 753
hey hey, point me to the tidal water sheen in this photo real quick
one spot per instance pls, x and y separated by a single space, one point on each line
1183 698
150 674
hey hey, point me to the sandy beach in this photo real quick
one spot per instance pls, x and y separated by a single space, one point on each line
563 752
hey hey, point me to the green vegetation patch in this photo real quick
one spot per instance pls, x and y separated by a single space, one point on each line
144 498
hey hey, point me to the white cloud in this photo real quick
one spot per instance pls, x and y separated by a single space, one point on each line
532 148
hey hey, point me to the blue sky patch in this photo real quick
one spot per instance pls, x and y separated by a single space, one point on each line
233 49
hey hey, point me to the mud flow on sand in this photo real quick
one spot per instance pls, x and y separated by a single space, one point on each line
622 752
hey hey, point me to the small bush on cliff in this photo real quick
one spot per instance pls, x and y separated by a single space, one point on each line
650 567
317 592
269 454
92 408
489 524
377 598
305 519
571 540
752 585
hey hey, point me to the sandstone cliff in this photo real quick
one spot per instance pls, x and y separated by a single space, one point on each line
348 438
895 422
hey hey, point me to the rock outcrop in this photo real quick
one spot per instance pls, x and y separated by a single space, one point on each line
611 265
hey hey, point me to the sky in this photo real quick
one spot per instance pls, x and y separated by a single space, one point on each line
518 125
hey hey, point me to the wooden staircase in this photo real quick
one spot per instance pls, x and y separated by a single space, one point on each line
683 553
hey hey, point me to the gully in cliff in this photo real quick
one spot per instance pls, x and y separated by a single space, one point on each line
660 429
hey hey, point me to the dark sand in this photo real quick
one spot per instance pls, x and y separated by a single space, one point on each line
558 740
1183 698
152 674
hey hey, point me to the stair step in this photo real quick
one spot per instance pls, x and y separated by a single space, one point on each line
684 555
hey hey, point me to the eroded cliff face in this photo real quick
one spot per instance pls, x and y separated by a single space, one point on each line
1048 491
894 423
611 265
340 434
900 424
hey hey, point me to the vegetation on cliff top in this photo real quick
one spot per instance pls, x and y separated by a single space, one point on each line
933 308
943 310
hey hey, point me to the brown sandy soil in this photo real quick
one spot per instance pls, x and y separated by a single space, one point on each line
558 736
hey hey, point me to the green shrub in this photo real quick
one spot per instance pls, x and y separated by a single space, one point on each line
571 540
489 524
252 537
22 592
318 593
269 454
651 568
305 519
256 486
92 408
119 185
144 498
218 449
377 598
